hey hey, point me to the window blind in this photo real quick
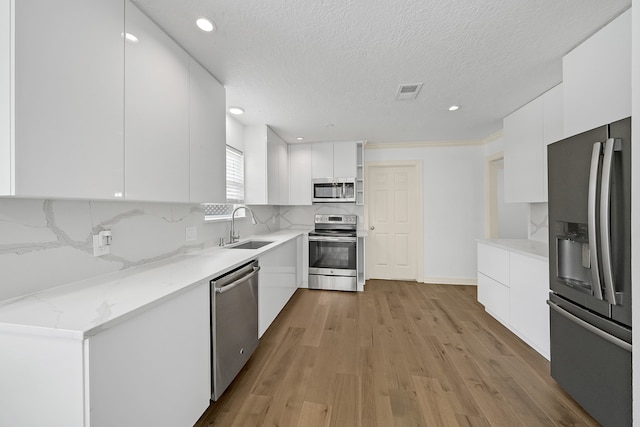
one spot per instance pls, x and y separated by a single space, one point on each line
235 175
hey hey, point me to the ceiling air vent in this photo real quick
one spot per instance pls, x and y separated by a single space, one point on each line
408 91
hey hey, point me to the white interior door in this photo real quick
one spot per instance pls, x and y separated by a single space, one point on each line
394 222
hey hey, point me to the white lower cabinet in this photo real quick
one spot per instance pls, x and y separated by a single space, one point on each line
528 300
495 298
151 370
279 278
514 289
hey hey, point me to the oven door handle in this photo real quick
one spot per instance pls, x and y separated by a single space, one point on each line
332 239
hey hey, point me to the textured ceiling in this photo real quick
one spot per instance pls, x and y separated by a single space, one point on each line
328 70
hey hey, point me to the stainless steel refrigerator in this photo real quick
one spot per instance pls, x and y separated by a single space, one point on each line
590 269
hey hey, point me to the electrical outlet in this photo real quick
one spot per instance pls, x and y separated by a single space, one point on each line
102 243
191 233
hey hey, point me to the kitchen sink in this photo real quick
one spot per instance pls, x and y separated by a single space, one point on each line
250 244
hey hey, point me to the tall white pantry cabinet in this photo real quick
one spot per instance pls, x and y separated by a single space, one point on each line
85 114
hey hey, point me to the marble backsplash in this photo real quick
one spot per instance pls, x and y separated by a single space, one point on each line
301 217
47 243
539 222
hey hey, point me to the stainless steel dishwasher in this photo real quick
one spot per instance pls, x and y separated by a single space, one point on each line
234 324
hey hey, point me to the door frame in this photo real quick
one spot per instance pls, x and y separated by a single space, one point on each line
491 195
419 241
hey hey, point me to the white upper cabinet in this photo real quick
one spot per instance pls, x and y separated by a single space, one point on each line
334 159
68 84
597 78
266 167
156 113
344 159
207 136
6 169
527 131
300 174
322 160
523 154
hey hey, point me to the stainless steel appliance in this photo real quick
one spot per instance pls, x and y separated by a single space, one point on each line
590 269
234 324
334 190
333 253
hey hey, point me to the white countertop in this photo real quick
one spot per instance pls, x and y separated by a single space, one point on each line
84 308
529 247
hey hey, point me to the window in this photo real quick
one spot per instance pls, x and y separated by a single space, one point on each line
235 189
235 175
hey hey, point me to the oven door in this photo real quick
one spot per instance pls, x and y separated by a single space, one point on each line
332 256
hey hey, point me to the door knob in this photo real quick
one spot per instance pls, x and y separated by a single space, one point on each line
372 228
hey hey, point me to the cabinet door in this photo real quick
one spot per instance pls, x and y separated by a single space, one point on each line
278 282
528 294
6 151
207 136
553 125
322 160
156 113
283 174
69 62
344 160
153 369
597 78
255 162
495 298
524 154
273 173
300 174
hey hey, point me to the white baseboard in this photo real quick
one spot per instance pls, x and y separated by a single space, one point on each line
451 280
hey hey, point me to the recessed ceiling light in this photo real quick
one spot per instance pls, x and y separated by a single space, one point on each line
205 24
300 138
454 107
236 110
130 37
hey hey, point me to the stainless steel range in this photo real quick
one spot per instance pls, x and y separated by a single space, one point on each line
333 253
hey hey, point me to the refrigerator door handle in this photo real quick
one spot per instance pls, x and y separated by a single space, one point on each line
605 220
592 215
588 326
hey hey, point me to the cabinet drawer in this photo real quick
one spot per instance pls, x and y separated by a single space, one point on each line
494 262
495 298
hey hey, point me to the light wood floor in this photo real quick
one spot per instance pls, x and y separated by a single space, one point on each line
400 354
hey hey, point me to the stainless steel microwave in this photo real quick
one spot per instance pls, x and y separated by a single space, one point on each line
333 190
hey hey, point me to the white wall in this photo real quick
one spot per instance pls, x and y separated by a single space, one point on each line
635 203
235 133
47 243
453 186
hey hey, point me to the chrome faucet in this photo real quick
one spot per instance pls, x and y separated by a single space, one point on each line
233 236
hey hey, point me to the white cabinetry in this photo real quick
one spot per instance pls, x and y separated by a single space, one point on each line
597 78
68 84
152 369
6 103
334 159
279 278
156 113
300 174
92 116
529 292
267 167
514 289
527 132
207 136
493 281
